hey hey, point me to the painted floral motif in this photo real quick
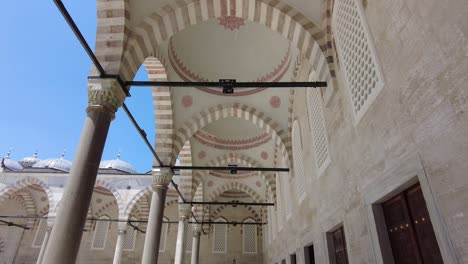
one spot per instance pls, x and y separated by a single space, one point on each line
275 101
231 22
264 155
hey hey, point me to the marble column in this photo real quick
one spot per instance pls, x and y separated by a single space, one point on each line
161 179
122 231
196 244
44 245
184 214
104 98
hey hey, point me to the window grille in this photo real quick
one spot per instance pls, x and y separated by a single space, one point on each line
249 237
219 237
101 229
188 240
358 57
319 132
164 230
129 238
298 160
40 233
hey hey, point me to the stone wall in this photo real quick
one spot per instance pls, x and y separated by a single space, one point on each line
418 120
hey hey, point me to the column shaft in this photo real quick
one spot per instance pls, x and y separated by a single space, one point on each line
195 248
68 227
180 245
44 246
153 230
119 247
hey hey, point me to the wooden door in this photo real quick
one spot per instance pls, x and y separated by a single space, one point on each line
410 230
425 236
400 231
339 243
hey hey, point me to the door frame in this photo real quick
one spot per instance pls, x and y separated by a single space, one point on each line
393 182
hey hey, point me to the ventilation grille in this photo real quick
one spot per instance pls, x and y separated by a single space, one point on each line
357 53
319 133
40 233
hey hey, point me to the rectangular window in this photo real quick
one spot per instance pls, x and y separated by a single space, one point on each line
409 228
293 259
309 255
337 246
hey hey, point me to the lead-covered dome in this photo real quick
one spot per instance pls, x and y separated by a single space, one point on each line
10 164
117 164
57 163
28 162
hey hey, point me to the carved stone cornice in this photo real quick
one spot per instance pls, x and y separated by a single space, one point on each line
162 177
106 94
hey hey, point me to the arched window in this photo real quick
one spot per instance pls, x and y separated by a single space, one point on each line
164 229
357 55
101 228
317 125
249 237
129 238
40 233
220 236
298 160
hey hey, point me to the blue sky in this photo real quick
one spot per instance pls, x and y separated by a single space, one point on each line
43 93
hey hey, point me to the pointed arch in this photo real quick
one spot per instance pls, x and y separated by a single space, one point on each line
115 192
28 181
185 157
235 186
233 110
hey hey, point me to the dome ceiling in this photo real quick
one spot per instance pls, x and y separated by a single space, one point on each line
224 49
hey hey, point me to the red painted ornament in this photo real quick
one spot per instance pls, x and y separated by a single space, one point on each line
264 155
231 22
275 101
201 154
258 183
187 101
98 200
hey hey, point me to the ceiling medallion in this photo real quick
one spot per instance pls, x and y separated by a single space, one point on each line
275 101
201 154
187 101
231 22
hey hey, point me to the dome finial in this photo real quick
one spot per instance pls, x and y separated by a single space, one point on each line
9 153
35 153
118 155
64 152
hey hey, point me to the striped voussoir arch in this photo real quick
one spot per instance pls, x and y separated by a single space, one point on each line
245 161
185 183
234 110
104 209
198 197
6 192
197 180
275 15
236 186
220 208
110 187
24 197
163 111
113 18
